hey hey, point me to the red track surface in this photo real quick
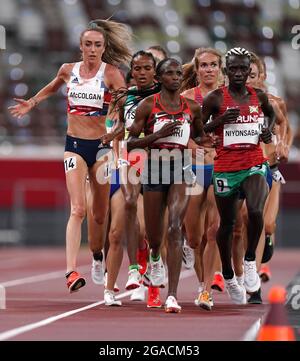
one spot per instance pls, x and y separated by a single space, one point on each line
32 301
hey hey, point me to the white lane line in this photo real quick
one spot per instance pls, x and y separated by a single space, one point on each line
19 330
252 332
32 326
40 278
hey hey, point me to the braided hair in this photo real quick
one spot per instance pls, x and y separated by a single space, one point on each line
238 51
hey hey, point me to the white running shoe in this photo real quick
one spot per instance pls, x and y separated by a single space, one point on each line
138 294
188 255
252 279
116 287
236 292
97 272
241 280
110 300
157 273
134 280
171 305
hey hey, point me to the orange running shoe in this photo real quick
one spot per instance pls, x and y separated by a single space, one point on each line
153 297
218 282
265 273
142 259
75 281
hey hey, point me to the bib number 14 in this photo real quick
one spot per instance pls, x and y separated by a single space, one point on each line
70 164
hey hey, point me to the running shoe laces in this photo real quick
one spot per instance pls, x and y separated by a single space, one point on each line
252 280
157 273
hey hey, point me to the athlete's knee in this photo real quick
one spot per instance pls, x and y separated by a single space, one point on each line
212 232
100 217
255 214
238 230
78 211
115 238
226 226
194 241
130 202
175 233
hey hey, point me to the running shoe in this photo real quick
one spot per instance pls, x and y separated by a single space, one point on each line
255 298
97 272
252 280
188 255
265 273
171 305
241 280
134 279
138 294
110 300
116 287
236 292
153 298
205 301
157 273
75 281
218 282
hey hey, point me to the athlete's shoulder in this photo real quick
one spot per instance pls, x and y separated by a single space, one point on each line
189 93
65 70
257 90
67 67
147 102
111 69
214 94
279 100
192 103
261 94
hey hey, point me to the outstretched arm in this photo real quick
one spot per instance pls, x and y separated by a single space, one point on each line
24 106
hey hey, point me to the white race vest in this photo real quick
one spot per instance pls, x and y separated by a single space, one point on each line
180 135
82 95
237 133
86 92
